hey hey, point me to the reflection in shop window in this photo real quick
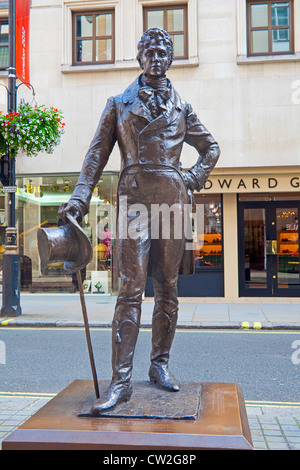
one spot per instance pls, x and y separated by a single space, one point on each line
37 202
208 252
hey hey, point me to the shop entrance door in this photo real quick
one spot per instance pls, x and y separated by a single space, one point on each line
269 249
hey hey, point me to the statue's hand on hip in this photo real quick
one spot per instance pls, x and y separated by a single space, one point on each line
189 180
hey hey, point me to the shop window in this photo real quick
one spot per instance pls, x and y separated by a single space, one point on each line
270 27
208 232
38 199
3 43
93 37
172 19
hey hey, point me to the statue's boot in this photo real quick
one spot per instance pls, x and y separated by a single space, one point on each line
163 331
124 336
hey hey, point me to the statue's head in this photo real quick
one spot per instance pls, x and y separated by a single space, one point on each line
155 37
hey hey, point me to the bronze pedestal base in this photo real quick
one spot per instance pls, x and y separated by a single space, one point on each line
220 424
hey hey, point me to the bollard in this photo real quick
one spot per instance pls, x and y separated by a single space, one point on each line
11 276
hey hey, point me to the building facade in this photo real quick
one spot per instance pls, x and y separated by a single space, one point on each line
238 64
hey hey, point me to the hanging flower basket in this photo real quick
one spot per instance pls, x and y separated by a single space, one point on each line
32 129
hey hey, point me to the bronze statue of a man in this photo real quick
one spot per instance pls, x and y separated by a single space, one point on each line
150 123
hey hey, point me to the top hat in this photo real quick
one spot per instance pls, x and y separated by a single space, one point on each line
67 243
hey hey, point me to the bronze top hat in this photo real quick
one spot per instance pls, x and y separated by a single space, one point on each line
67 243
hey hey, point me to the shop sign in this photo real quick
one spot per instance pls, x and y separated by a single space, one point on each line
9 189
40 189
34 189
250 183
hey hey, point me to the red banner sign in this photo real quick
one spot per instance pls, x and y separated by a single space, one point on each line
22 40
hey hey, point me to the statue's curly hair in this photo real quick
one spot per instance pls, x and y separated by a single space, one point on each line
160 36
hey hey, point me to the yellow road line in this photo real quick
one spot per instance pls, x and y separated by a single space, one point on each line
6 322
277 404
27 395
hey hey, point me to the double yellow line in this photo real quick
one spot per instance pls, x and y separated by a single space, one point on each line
249 403
273 404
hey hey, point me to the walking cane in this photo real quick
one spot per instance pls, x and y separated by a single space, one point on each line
87 333
68 243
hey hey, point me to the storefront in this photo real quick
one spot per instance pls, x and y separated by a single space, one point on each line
245 234
37 201
260 230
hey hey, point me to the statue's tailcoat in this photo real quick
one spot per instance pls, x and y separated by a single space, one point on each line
148 144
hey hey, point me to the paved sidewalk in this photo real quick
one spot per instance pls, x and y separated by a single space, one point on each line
65 310
272 427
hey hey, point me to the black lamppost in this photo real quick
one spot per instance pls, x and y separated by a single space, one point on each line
11 262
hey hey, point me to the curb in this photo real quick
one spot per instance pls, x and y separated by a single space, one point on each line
257 326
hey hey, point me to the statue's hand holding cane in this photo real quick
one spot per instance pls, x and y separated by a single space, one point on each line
73 207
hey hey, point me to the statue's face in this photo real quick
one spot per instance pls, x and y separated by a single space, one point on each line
154 60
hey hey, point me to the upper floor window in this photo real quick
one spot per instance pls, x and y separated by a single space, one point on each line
172 19
3 43
270 27
93 37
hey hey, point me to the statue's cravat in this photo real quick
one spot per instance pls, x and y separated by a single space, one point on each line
155 94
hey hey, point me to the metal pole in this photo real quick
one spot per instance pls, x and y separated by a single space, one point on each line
87 333
12 99
11 260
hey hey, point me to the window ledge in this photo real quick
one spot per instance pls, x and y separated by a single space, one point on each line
245 60
123 65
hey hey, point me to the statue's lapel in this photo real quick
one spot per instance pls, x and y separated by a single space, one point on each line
167 117
137 107
140 111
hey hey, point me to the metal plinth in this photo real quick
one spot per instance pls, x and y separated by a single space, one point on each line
221 424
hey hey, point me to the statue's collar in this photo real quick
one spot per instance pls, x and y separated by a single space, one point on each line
131 93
